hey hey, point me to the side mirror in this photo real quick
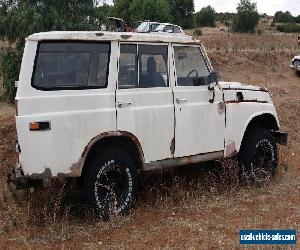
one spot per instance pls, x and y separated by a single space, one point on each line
212 80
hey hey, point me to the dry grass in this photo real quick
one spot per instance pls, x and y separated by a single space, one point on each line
195 207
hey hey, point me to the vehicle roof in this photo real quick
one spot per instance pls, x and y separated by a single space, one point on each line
148 22
112 36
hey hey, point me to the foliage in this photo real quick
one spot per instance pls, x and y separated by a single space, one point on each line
18 19
182 12
10 68
226 16
247 17
288 28
154 10
121 9
259 32
283 17
197 32
206 17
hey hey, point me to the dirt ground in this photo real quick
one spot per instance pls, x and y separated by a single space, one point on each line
196 207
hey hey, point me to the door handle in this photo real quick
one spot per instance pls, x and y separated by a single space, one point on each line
181 100
124 104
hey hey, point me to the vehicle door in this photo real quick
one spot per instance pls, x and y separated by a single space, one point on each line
200 125
65 91
144 98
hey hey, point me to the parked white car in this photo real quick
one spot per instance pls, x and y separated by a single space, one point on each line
104 106
296 63
169 28
147 26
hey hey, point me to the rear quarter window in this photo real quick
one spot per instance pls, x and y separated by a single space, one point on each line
71 65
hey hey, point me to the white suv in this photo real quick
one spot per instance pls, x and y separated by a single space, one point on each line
104 106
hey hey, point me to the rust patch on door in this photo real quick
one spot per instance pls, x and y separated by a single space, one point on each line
230 149
221 108
172 147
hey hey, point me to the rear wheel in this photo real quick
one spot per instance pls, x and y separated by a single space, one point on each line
111 183
258 156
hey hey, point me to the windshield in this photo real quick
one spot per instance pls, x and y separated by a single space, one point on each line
143 27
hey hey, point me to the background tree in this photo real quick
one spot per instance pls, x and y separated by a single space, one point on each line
206 17
247 17
154 10
182 12
18 19
121 9
283 17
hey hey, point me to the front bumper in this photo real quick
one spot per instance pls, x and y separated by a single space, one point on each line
281 138
17 178
297 68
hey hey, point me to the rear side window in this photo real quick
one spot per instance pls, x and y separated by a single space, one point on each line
128 69
65 65
143 66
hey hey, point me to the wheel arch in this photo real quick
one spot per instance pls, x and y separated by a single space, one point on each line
267 120
110 139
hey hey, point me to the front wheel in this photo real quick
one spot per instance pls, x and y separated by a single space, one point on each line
258 156
111 183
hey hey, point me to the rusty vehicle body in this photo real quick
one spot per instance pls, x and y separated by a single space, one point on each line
120 25
157 96
295 64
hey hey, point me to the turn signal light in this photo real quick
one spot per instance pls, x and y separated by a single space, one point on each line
39 126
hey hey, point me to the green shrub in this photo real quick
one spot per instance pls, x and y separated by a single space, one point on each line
288 28
206 17
197 32
259 32
247 17
10 68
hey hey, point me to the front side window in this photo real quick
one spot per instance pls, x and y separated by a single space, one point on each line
143 66
191 68
169 28
64 65
177 29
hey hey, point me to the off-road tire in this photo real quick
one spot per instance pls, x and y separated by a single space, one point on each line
110 183
258 158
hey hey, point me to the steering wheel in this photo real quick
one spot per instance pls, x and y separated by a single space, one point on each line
192 71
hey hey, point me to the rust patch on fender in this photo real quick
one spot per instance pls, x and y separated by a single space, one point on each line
45 175
76 168
230 150
237 101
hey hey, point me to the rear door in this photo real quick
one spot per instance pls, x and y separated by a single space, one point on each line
66 85
200 125
144 98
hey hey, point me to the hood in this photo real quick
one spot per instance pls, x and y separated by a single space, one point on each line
240 86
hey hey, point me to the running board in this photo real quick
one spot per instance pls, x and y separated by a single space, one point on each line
175 162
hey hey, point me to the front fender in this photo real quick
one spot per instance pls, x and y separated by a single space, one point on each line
238 119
